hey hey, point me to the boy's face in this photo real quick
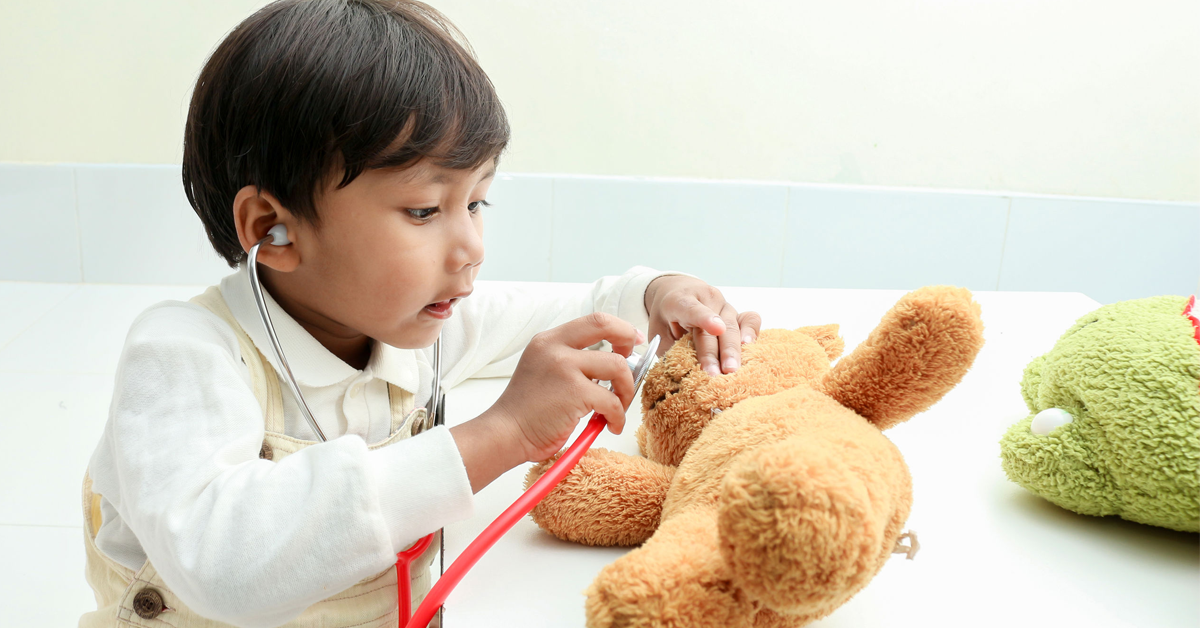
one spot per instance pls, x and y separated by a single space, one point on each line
389 245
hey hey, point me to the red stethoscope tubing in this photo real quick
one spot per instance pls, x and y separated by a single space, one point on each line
404 576
491 534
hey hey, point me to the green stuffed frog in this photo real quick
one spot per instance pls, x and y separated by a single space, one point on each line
1114 427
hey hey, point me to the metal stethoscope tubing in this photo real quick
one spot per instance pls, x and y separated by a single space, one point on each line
278 237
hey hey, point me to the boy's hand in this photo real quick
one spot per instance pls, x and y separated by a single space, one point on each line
678 304
552 387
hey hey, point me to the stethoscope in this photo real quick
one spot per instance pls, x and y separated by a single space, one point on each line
432 604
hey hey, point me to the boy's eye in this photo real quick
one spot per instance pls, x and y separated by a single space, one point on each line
426 213
422 214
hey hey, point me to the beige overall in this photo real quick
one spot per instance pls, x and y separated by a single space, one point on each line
128 598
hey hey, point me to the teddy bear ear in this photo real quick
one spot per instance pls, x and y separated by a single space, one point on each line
826 336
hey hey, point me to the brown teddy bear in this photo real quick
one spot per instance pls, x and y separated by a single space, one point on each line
768 496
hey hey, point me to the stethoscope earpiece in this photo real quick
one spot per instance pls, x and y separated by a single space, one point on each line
278 235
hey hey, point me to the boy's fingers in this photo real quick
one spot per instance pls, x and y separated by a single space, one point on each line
603 365
586 331
674 331
750 324
706 327
706 351
606 403
730 341
697 315
616 422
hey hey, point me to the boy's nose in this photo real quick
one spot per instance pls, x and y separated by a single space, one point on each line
468 250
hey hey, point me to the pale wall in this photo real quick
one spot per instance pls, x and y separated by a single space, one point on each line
1091 98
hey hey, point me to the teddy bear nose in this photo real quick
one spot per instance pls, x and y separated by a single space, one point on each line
1047 420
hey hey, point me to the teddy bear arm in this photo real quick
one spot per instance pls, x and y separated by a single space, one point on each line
921 349
608 499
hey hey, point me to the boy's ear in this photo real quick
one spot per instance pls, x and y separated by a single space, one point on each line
254 213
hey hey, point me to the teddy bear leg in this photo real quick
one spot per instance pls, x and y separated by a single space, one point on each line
676 580
799 527
608 499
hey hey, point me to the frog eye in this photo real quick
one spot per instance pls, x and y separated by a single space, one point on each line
1047 420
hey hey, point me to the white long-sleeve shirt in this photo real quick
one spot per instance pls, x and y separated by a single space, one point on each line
253 542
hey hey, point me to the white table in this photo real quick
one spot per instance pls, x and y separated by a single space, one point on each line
991 553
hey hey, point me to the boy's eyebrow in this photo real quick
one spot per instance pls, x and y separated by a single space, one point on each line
440 178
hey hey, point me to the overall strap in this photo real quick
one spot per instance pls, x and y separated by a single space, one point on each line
402 404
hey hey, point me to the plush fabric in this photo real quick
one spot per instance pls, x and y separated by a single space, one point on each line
1128 374
769 496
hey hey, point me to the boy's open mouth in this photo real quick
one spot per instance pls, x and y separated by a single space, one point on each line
442 309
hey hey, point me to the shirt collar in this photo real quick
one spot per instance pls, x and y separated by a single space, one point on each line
312 364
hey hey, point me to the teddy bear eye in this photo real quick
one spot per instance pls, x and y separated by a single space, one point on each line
1048 420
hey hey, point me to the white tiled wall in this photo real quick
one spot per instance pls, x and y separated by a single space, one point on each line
136 227
517 229
726 233
132 224
39 235
897 239
1109 251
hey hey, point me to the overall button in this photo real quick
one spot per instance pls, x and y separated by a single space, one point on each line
148 603
418 424
266 453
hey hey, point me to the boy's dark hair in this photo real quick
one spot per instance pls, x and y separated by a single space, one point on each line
305 88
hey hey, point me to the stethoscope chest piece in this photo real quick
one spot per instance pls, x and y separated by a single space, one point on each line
641 365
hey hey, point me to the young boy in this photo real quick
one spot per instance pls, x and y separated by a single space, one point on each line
370 133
